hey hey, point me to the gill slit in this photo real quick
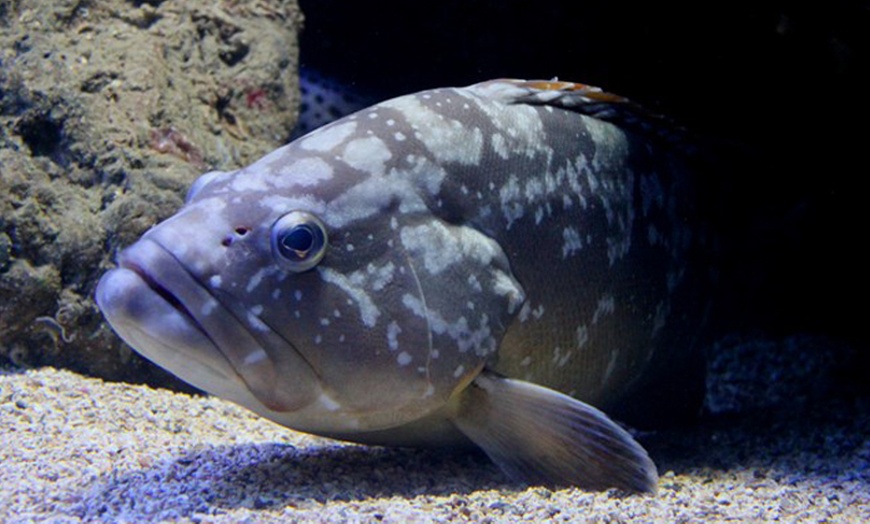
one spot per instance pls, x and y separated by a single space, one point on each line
426 311
282 337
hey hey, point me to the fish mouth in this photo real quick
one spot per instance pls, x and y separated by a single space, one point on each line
166 314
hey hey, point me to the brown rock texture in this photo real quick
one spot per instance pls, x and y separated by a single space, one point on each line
108 111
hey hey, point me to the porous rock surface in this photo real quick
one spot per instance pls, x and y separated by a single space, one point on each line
108 111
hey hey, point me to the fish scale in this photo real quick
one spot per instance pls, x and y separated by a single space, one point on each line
490 265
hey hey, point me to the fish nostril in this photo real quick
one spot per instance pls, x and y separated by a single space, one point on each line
239 231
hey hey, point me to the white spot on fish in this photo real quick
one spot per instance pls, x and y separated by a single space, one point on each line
369 313
449 140
247 181
305 172
393 330
571 242
618 246
611 366
324 322
509 195
440 247
504 285
367 154
582 336
381 276
526 361
374 194
534 189
466 338
328 402
592 181
460 369
209 306
328 137
215 281
560 359
525 312
399 136
606 306
280 203
258 277
297 295
254 357
404 358
499 146
255 322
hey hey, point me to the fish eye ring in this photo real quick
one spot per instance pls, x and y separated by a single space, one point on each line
299 241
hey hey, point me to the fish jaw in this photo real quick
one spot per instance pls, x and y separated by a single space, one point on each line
136 311
192 334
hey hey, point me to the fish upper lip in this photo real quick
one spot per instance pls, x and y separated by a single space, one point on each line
159 289
153 280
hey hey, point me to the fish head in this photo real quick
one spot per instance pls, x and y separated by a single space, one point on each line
321 287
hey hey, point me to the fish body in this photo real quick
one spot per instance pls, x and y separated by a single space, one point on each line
486 265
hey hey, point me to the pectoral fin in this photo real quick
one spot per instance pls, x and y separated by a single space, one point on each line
540 436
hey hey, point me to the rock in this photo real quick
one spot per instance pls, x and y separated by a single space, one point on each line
108 112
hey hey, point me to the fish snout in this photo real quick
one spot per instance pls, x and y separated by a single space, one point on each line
166 314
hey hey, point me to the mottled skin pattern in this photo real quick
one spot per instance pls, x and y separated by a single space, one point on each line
490 229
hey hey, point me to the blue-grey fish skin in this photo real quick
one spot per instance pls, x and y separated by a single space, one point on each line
494 229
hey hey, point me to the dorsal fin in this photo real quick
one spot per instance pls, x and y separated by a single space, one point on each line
594 102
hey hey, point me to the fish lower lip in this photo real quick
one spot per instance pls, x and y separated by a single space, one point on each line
159 330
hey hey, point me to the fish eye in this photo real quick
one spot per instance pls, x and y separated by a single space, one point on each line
298 241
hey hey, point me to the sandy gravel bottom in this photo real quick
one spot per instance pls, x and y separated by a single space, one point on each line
77 449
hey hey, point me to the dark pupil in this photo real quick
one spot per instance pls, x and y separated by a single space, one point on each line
300 240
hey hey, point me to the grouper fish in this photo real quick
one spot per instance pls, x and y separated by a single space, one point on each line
495 265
